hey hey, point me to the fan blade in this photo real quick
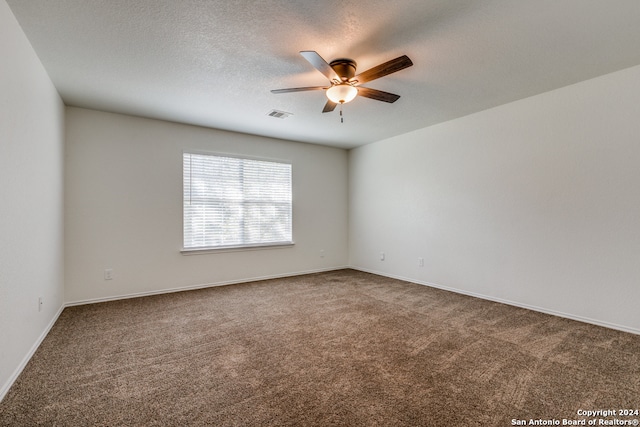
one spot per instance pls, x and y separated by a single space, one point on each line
298 89
320 64
329 106
378 95
382 70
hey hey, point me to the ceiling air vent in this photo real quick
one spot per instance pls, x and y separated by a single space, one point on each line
279 114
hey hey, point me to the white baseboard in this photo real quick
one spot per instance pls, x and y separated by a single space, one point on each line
508 302
12 379
200 286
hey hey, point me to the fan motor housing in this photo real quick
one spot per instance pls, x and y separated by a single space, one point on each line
344 67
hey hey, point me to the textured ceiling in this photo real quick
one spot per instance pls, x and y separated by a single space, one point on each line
213 62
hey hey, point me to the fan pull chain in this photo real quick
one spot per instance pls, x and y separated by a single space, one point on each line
341 118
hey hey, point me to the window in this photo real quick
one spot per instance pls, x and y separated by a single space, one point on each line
234 202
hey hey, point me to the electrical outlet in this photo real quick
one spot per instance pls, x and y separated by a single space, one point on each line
321 253
420 262
108 274
382 256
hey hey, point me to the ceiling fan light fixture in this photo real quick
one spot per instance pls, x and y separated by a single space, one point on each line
344 83
342 93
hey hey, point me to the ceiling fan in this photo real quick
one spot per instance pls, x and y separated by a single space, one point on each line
345 84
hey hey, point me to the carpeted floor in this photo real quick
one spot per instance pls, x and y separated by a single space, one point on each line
342 348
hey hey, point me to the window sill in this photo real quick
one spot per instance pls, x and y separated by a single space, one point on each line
220 249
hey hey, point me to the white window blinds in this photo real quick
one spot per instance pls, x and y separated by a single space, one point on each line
234 202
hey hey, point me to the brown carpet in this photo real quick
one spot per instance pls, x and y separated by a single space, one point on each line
343 348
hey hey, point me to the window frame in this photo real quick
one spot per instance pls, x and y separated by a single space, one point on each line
235 247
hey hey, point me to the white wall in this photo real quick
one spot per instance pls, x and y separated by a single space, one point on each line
124 207
536 202
31 200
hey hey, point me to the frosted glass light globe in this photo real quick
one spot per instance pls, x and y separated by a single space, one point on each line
342 93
